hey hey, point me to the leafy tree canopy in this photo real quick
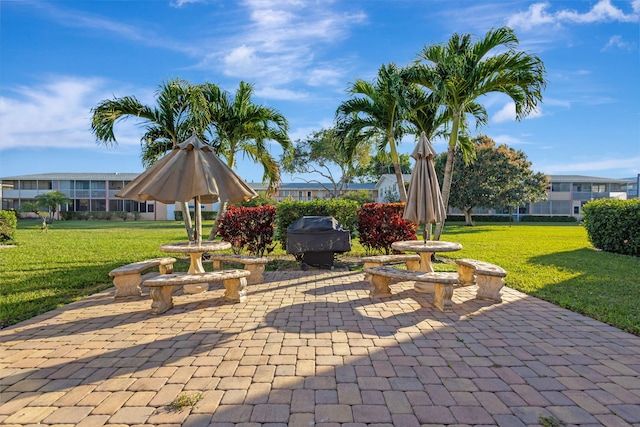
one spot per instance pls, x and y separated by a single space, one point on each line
500 177
320 154
381 164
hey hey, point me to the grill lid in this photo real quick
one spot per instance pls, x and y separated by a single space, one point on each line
317 234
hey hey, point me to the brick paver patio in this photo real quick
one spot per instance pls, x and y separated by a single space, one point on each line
312 348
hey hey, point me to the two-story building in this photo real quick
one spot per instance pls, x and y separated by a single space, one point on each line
565 197
96 192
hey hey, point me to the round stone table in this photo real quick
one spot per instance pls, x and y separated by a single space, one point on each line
426 248
195 251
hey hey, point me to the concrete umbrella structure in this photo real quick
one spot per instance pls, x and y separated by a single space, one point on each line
190 171
424 200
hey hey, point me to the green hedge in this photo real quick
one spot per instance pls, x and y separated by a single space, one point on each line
614 225
90 215
206 215
345 211
547 218
8 225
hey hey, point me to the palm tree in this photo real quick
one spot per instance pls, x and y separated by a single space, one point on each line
238 125
377 113
179 112
461 71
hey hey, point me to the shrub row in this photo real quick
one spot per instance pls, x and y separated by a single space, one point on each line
614 225
90 215
507 218
8 225
206 215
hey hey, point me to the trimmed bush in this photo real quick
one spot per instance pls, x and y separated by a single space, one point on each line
248 226
381 224
614 225
8 225
345 211
206 215
547 218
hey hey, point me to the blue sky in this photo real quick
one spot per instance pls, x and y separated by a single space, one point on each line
60 58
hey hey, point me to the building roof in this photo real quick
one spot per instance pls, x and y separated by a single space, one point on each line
70 176
589 179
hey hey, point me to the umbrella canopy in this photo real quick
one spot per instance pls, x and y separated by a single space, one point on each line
424 201
191 170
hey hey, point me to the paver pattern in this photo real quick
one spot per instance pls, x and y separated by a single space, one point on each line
312 348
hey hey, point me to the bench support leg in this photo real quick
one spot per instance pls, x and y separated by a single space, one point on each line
379 286
489 288
367 276
217 265
442 296
413 265
162 299
256 273
128 285
235 290
466 275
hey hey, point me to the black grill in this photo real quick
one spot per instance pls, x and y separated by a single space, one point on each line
314 240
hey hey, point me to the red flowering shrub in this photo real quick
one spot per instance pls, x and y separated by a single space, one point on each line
250 227
381 224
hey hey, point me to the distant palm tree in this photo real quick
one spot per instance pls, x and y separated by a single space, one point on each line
376 114
180 110
237 125
460 71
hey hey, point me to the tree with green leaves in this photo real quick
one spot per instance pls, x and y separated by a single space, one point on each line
52 200
376 114
461 71
180 111
237 125
499 177
319 155
381 164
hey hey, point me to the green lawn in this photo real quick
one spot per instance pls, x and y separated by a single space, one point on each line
553 262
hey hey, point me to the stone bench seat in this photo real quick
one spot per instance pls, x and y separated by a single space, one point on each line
254 264
412 260
162 287
380 279
488 277
128 278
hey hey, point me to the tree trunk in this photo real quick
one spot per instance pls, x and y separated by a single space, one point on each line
402 191
214 229
186 217
467 216
448 173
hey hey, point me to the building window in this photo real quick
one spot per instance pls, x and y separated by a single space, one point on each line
560 187
599 188
581 187
28 185
99 205
116 205
45 185
115 185
151 207
82 205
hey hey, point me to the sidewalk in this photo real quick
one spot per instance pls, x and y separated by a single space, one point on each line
312 348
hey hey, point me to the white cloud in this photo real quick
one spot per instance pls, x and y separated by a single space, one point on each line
617 42
283 43
538 14
280 94
56 113
508 113
180 3
509 140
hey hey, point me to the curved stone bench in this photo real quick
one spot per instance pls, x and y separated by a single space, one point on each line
253 264
411 260
128 278
488 277
381 277
162 286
